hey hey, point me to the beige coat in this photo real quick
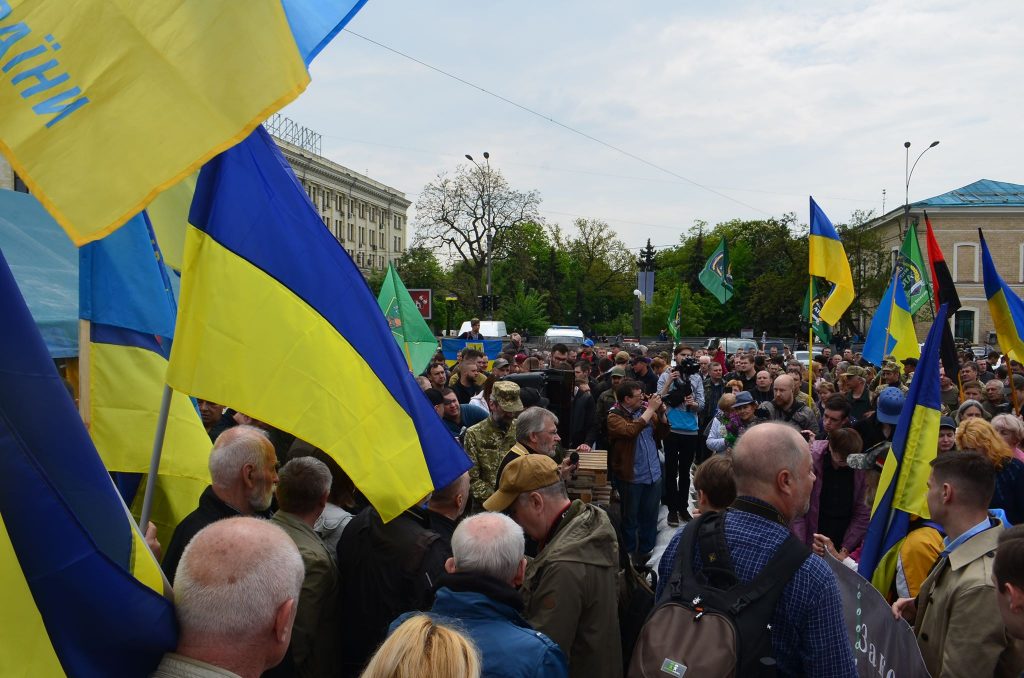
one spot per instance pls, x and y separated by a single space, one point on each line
958 625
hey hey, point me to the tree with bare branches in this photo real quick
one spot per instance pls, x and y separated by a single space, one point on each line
457 215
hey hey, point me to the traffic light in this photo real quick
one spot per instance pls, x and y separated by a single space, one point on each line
495 302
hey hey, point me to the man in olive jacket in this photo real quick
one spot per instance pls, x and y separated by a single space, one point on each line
569 589
955 615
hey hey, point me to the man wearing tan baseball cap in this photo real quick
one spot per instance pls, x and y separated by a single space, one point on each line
578 556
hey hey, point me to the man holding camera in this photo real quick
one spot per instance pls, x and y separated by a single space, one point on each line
635 427
682 391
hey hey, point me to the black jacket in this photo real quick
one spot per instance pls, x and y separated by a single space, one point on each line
583 428
210 510
384 569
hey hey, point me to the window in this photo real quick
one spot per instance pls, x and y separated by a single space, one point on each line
362 236
894 256
373 214
965 262
351 228
963 325
362 210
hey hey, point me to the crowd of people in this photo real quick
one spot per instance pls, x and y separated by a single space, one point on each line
284 569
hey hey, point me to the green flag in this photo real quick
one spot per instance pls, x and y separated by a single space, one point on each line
717 274
820 327
675 317
408 327
912 272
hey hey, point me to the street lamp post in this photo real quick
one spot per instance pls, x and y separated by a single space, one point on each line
489 223
908 171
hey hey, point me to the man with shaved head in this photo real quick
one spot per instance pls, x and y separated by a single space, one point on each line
774 477
785 406
242 478
235 598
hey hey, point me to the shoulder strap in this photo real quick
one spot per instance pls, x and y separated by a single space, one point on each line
716 562
774 576
683 568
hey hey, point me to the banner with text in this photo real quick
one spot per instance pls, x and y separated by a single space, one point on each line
882 645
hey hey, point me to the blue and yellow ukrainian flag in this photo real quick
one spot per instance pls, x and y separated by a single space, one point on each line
489 347
828 261
903 486
277 322
892 328
125 294
83 596
1006 308
105 104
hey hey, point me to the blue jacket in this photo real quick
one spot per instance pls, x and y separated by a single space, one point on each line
509 647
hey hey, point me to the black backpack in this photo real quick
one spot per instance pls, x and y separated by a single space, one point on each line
707 623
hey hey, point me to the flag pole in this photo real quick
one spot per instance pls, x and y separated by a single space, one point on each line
810 339
154 460
84 367
892 302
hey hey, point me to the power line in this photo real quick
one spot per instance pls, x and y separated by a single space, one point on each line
553 121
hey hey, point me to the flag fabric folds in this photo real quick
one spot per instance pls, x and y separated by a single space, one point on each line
408 327
828 261
912 272
945 293
674 319
716 276
1006 308
82 588
192 77
892 327
812 311
903 486
125 294
280 325
314 23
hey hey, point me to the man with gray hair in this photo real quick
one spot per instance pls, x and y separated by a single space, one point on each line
536 433
479 593
242 474
774 478
235 600
302 492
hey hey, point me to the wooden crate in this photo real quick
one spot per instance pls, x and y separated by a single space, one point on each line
590 484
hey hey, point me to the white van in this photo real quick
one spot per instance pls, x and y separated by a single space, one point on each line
491 329
570 335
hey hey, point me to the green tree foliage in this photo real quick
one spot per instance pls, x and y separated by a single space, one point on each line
526 310
585 275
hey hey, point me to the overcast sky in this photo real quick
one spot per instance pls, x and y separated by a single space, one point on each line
763 102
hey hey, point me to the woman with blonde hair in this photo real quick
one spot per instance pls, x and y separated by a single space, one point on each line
977 435
734 386
1012 430
423 648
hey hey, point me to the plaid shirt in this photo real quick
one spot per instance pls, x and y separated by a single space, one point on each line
809 636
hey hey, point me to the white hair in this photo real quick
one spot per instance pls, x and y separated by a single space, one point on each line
233 577
533 420
489 543
235 448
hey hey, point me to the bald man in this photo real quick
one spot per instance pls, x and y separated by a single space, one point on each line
243 475
235 600
786 407
774 477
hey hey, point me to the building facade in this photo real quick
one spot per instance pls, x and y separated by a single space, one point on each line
367 217
997 208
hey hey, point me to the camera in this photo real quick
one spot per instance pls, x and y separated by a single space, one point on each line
688 366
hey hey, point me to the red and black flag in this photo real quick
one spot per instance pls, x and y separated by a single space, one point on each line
945 293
